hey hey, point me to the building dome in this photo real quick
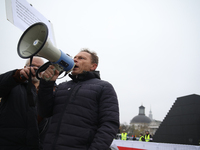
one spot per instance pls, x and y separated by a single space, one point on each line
141 118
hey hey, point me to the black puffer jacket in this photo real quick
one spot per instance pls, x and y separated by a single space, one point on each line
85 113
18 121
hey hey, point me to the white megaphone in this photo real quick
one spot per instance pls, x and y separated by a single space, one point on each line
34 42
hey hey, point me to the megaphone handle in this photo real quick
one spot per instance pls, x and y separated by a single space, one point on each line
57 67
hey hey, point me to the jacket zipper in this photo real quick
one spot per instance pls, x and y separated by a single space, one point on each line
59 123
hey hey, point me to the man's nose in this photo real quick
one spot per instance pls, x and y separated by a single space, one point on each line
75 60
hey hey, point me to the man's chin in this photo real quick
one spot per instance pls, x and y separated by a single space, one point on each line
73 73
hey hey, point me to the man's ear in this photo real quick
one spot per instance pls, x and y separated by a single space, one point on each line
93 67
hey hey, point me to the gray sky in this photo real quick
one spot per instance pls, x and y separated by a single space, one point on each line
148 49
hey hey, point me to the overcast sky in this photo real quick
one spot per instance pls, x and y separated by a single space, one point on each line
149 50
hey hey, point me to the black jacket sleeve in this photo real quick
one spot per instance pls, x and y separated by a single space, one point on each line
108 119
7 83
45 98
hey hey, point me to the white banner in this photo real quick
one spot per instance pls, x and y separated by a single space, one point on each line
23 15
137 145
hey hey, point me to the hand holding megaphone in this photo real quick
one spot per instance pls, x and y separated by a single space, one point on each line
24 73
34 42
51 73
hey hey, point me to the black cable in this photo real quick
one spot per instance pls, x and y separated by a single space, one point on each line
29 93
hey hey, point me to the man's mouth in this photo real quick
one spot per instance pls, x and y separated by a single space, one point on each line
75 66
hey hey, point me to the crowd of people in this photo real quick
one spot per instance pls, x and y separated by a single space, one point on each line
80 114
147 137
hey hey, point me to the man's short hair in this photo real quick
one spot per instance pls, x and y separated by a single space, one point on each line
94 57
28 60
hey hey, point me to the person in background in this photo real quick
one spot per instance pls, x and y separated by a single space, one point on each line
148 137
141 137
124 135
134 137
18 119
84 110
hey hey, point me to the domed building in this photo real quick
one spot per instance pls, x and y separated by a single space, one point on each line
141 118
142 121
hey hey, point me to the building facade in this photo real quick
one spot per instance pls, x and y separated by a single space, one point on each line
141 121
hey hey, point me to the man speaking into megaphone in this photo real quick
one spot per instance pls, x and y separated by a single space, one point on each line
84 110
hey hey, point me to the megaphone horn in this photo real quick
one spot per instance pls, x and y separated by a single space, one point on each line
35 42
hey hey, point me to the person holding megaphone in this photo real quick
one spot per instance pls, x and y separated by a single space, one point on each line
84 111
18 114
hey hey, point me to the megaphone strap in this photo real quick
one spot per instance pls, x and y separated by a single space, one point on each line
42 68
29 93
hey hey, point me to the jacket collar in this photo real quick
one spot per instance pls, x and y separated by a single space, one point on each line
85 76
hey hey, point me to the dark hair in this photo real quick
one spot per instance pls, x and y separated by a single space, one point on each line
94 57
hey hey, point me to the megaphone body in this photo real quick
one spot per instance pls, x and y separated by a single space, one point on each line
35 42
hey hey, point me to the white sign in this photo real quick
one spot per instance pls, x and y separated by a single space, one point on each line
139 145
23 15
